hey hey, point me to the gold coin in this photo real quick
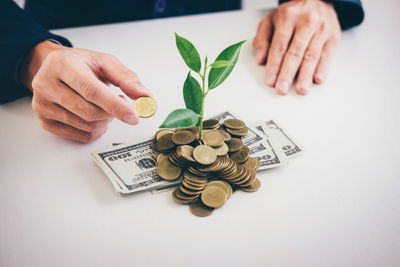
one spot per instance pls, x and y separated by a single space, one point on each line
153 146
229 188
179 194
239 132
189 191
204 154
210 168
213 138
211 124
191 186
166 169
241 156
160 133
223 185
183 137
165 142
176 160
234 144
252 188
250 181
234 124
227 136
221 150
225 162
214 196
145 106
194 178
194 130
230 169
195 171
240 175
181 198
185 152
162 155
251 164
234 176
246 178
199 209
177 199
258 164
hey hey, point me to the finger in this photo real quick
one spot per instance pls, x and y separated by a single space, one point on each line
55 112
54 90
82 80
283 31
118 74
262 39
75 103
69 132
292 58
309 63
325 59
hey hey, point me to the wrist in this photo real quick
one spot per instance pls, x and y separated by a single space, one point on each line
32 61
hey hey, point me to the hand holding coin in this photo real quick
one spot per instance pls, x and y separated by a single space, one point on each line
71 96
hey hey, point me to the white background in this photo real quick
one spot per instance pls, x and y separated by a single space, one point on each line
336 205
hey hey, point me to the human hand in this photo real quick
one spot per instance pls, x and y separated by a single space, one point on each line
70 89
299 37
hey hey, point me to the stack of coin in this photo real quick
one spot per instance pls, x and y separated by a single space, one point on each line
211 124
235 127
191 187
213 167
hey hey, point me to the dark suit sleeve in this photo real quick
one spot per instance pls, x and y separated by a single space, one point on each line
19 33
350 12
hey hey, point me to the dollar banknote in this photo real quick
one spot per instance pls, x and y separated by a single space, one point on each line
258 143
131 167
278 138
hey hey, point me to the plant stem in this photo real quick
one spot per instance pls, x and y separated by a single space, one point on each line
204 93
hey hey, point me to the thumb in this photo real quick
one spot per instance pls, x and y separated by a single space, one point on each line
113 71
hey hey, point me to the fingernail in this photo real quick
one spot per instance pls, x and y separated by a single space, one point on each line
270 78
130 118
320 77
144 89
259 55
282 87
304 87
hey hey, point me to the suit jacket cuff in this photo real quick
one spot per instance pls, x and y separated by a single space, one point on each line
10 78
350 12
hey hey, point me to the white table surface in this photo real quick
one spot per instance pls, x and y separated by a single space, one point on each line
336 205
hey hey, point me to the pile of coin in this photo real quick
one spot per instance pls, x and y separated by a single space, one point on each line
213 166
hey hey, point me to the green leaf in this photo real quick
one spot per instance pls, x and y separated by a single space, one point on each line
188 52
192 94
221 63
218 75
180 118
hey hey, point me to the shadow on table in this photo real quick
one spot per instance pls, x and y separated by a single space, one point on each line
257 71
102 188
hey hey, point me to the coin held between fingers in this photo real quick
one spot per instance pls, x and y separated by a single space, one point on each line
145 106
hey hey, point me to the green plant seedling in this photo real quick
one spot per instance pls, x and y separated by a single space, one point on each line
194 94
